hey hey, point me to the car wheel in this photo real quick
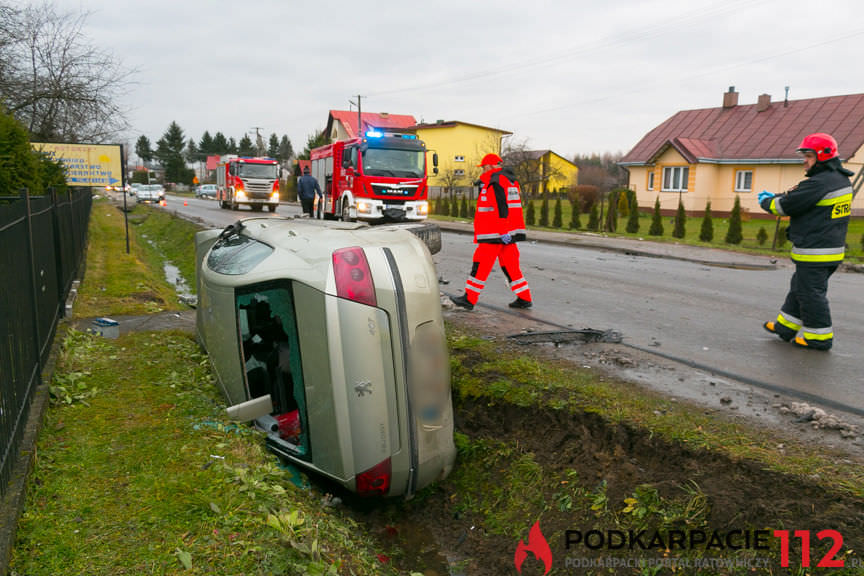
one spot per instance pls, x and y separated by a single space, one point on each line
272 208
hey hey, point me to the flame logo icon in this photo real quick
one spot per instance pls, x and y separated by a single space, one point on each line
537 545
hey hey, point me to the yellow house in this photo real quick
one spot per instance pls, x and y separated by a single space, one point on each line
460 147
716 154
542 170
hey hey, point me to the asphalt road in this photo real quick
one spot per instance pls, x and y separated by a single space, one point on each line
708 317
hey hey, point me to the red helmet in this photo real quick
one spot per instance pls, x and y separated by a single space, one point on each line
490 160
822 144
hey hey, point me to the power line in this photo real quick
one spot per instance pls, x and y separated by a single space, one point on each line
623 39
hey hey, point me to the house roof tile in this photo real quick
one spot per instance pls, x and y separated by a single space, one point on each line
743 133
373 119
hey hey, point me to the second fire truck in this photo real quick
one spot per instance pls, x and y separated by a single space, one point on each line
252 182
380 176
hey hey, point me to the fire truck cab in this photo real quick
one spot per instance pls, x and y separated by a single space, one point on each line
252 182
377 177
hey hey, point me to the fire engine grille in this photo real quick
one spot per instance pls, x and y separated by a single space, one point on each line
401 190
259 189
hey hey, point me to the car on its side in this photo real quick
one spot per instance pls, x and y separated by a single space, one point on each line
330 336
206 191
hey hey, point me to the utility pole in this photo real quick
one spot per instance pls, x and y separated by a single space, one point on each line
258 142
359 116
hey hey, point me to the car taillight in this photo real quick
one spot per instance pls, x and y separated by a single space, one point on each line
375 481
353 277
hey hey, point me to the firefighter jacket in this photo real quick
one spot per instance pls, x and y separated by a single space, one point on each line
819 208
499 209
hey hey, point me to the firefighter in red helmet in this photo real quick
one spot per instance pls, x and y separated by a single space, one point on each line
498 226
819 208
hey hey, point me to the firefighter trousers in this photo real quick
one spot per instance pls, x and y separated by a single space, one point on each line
484 259
805 312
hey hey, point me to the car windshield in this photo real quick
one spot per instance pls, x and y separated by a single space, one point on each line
256 170
390 162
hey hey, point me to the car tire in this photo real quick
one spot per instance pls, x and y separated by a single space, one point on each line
346 212
272 208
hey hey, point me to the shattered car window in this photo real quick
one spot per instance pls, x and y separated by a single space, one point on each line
237 254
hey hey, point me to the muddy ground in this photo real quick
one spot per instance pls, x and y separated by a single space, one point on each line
438 538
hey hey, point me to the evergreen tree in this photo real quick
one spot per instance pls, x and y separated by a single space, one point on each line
680 229
273 146
286 151
246 147
530 217
436 205
445 207
624 203
143 149
169 152
192 154
557 219
781 236
575 224
612 214
594 218
314 140
544 212
656 228
633 211
232 146
220 144
463 208
762 236
734 235
454 208
706 233
205 145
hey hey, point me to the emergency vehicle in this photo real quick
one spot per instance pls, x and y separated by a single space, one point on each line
253 182
382 175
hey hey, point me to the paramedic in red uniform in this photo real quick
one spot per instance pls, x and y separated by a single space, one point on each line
498 225
818 208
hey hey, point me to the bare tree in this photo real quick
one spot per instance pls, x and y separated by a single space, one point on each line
53 81
529 167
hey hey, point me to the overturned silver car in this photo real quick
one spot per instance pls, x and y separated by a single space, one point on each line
330 336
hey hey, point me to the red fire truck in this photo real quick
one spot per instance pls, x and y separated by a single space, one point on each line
250 181
380 176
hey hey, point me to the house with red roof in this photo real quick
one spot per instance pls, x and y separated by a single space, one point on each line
716 154
342 124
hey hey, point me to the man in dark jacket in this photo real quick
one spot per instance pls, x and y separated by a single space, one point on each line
307 190
818 208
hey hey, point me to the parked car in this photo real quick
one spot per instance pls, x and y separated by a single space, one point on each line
206 191
330 336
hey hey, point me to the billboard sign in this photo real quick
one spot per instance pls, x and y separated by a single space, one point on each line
87 164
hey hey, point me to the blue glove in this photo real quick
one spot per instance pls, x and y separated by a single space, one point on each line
506 238
764 195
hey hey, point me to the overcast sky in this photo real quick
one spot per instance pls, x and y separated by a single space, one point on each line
573 76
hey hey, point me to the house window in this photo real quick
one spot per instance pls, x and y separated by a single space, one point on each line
675 178
651 180
459 158
744 181
459 172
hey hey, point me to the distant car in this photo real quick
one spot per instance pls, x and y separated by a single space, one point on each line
150 193
330 336
134 188
206 191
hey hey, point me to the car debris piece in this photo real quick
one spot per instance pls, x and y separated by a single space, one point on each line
556 337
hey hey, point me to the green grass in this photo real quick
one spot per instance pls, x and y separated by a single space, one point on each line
750 229
117 283
479 372
138 472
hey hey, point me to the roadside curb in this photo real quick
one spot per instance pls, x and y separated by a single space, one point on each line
612 245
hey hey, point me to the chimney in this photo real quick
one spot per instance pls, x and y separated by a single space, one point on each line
730 98
764 102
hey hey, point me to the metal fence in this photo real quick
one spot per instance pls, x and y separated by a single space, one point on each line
42 243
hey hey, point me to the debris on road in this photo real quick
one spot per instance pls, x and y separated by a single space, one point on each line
818 418
568 336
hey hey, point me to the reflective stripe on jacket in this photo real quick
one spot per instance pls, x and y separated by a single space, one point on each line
818 208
